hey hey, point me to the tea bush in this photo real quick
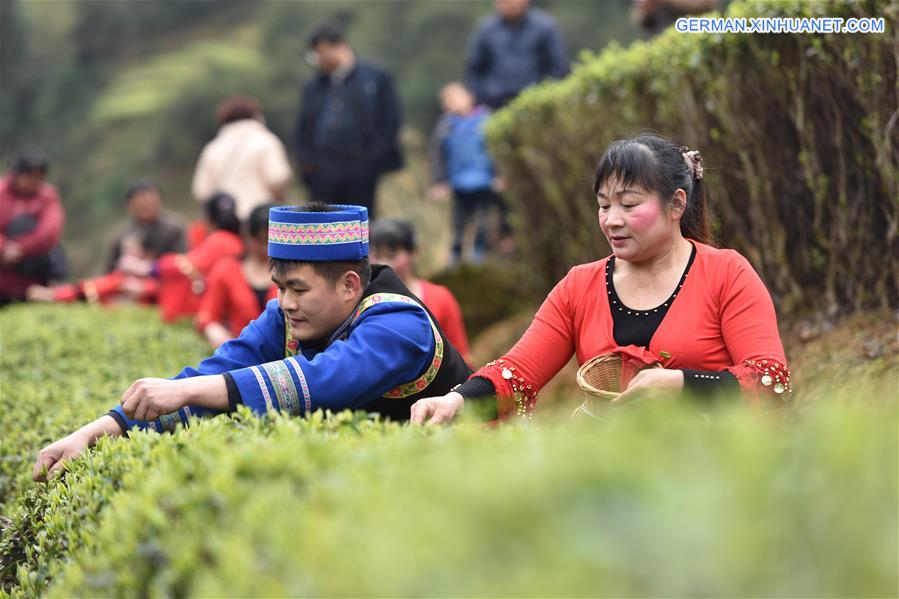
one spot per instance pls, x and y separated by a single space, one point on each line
657 501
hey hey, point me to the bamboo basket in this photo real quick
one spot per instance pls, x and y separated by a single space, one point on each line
600 380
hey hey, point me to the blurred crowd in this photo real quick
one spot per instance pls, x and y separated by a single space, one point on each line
215 270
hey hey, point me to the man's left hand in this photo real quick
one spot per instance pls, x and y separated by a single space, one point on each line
660 383
148 399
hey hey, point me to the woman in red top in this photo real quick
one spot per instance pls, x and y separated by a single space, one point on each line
664 295
181 276
237 291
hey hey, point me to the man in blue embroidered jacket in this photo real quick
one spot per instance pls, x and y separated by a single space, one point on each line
342 334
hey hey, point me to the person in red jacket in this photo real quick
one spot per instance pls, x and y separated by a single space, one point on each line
664 296
181 276
237 291
393 243
31 223
111 288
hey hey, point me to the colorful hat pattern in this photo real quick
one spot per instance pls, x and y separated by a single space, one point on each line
294 233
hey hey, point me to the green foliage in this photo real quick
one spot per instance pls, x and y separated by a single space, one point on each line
652 502
797 133
63 365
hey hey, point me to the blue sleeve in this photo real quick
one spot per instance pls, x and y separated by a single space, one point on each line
392 343
261 341
557 54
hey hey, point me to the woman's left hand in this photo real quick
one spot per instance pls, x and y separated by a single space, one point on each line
651 383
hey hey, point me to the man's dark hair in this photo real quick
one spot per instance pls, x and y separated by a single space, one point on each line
140 186
330 33
330 270
29 161
392 234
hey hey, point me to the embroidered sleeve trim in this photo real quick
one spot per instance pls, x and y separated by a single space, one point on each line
285 389
298 371
261 381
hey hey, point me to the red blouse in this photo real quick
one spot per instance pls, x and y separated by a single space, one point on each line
181 275
106 289
721 319
229 299
442 303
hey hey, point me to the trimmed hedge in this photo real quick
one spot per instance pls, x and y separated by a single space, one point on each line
799 134
654 502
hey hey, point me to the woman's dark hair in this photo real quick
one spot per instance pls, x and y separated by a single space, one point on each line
257 224
657 164
140 186
392 234
220 210
237 108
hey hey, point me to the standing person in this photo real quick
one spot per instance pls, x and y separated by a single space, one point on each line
513 48
182 276
713 331
245 160
346 133
393 243
31 223
460 163
341 335
162 231
238 290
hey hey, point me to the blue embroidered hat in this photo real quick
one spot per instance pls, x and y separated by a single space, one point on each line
297 234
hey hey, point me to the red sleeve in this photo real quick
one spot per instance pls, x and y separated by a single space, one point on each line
215 246
749 328
213 304
544 349
201 259
452 323
46 235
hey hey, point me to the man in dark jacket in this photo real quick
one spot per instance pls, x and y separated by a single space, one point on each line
346 134
511 49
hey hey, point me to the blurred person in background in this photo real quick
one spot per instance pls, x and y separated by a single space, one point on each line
31 224
654 16
238 290
181 276
112 288
513 48
348 122
245 160
393 243
461 165
162 231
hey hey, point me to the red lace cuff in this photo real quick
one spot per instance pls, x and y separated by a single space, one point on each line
765 383
515 396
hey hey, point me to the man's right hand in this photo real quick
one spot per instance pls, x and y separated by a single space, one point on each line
53 457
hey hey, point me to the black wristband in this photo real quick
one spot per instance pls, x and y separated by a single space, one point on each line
475 387
233 392
705 383
120 421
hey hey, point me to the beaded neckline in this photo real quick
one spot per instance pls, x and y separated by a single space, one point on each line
615 303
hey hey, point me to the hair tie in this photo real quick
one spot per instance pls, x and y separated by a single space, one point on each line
693 160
